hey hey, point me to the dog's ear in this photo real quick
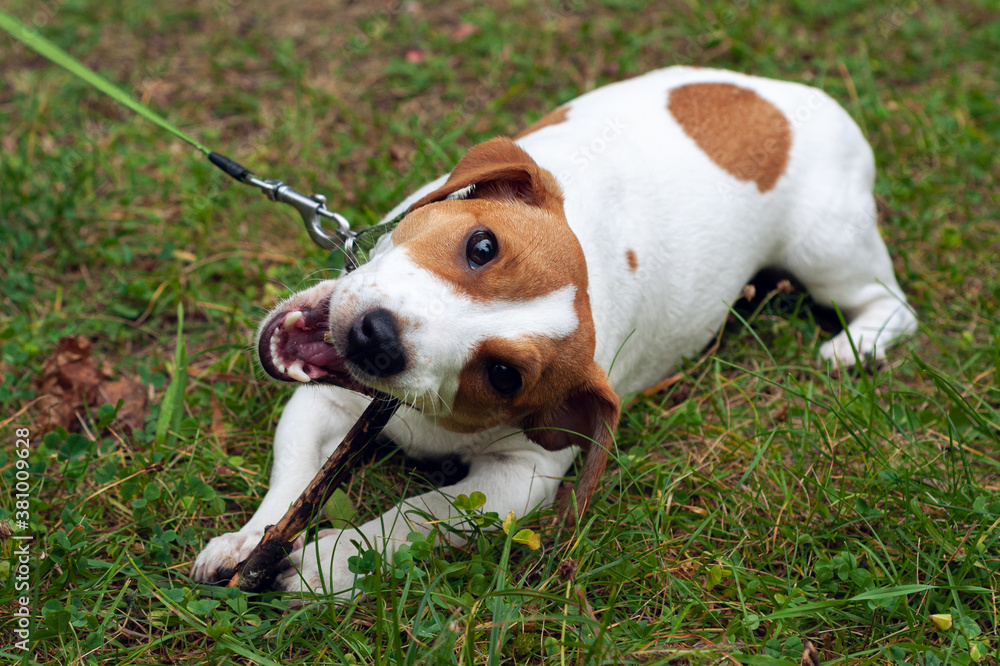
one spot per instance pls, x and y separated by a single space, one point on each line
587 418
498 168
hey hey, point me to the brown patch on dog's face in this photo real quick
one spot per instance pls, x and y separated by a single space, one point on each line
553 118
521 205
560 403
537 254
740 131
633 262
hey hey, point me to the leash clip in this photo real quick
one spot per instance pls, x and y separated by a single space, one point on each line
356 246
312 209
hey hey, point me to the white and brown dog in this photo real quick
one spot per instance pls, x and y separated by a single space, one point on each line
546 276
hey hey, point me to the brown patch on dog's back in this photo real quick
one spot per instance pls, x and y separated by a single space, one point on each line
633 262
553 118
740 131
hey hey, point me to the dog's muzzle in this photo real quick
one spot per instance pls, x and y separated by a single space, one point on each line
373 345
294 345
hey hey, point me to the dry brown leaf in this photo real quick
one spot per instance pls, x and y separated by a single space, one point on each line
133 396
71 380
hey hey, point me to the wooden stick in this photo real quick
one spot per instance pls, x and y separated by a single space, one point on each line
257 572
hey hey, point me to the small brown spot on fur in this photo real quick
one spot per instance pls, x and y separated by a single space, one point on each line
553 118
740 131
633 263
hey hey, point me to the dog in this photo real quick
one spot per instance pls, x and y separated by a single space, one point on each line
546 276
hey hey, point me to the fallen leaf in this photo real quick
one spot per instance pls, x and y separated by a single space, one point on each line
941 621
508 522
68 376
71 381
415 56
528 538
133 396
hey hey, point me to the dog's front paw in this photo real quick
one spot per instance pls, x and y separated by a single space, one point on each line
217 562
320 567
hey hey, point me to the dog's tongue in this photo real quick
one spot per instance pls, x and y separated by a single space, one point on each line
299 342
294 347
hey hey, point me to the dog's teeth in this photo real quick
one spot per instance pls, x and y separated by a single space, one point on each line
290 319
296 372
281 366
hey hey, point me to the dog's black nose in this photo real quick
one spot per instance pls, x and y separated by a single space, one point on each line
373 344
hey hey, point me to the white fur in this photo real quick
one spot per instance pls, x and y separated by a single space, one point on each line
632 180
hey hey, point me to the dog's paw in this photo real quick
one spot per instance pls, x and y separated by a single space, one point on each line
320 567
840 352
873 330
216 564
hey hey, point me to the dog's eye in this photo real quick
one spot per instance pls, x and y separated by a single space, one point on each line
505 379
481 249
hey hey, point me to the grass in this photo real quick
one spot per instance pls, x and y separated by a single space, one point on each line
756 504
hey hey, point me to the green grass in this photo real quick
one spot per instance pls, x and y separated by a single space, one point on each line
757 504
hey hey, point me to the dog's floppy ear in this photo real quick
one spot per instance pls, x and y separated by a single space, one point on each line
588 418
499 168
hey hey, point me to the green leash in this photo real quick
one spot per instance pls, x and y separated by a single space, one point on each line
313 208
34 41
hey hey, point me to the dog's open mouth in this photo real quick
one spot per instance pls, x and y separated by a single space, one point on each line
295 346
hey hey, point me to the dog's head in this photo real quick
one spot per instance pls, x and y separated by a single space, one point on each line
474 311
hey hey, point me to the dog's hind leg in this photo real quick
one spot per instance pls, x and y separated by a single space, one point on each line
843 262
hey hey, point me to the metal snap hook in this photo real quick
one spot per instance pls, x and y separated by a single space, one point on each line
312 209
356 246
